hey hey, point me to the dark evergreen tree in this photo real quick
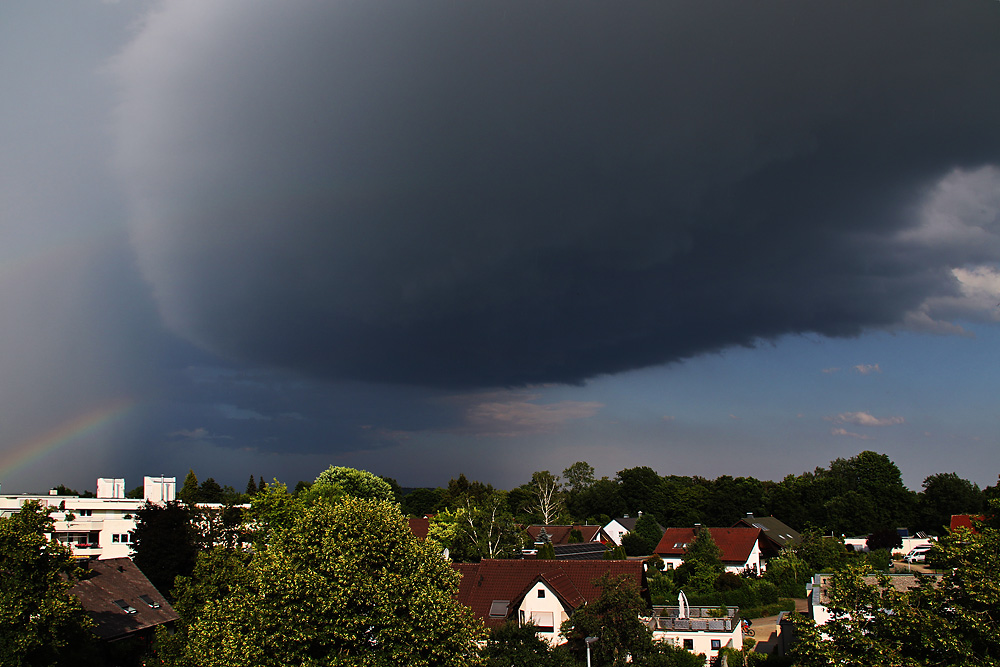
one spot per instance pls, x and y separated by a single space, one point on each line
164 543
251 487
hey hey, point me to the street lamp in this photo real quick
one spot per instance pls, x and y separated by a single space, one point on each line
589 640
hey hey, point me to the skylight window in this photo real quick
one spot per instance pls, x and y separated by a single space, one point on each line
125 606
499 608
150 601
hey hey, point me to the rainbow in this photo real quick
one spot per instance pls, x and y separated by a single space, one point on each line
69 431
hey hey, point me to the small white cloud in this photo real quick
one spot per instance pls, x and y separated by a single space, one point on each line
668 418
732 416
832 369
864 419
514 413
866 369
844 432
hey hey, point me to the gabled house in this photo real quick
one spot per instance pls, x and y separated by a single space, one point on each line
740 546
543 592
775 534
620 527
121 600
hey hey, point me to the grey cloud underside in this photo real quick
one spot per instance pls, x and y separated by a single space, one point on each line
504 193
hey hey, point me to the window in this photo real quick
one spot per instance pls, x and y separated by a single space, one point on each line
716 644
86 512
121 538
689 644
541 592
543 621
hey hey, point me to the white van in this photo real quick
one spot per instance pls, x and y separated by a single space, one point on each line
917 554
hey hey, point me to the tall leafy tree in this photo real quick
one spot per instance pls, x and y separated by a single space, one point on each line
164 543
40 622
702 563
579 476
354 482
346 584
945 494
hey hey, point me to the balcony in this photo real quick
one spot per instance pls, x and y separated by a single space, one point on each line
703 619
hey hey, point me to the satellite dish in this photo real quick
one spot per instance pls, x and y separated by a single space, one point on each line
682 602
446 554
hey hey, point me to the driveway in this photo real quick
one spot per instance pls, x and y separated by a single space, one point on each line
766 629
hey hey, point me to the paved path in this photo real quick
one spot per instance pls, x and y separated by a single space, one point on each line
766 629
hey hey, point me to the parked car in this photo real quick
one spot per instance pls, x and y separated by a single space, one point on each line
917 554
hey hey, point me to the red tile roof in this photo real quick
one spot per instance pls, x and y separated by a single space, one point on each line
571 580
735 543
420 527
560 534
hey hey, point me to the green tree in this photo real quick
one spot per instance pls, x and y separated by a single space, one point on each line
472 532
647 526
821 552
347 583
945 494
702 563
217 571
209 491
272 510
614 619
421 501
579 476
40 622
164 543
546 551
189 492
637 545
354 482
516 645
251 487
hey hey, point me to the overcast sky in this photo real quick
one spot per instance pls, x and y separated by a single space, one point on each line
497 237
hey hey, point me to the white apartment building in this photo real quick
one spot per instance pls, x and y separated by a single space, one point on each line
98 527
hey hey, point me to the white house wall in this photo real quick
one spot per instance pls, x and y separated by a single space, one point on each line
702 640
532 604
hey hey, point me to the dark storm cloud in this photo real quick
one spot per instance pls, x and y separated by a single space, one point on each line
475 194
